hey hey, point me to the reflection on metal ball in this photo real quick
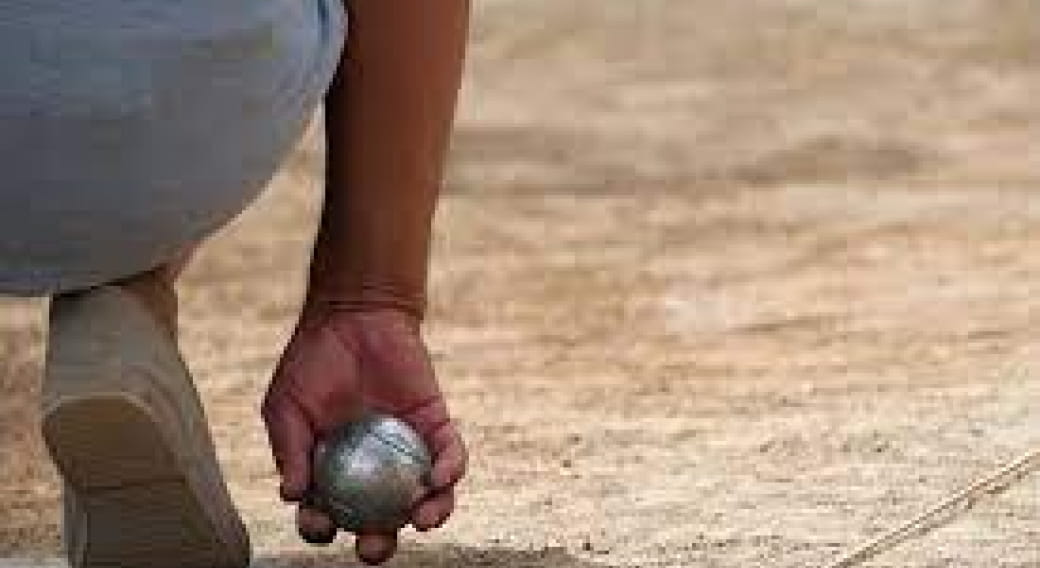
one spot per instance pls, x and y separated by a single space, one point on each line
367 473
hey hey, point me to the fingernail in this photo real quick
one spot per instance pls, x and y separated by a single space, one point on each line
423 522
319 539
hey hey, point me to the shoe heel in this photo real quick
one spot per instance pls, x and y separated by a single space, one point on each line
139 509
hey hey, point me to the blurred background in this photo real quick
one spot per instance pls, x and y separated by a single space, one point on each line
719 284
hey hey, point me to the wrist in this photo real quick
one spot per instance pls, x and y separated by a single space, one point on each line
365 298
356 322
353 274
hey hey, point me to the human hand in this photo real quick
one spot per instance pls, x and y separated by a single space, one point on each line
337 364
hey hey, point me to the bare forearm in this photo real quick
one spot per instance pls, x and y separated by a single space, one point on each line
388 118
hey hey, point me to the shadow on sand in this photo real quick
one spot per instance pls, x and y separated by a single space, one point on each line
432 556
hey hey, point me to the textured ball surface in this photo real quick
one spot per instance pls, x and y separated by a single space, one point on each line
367 472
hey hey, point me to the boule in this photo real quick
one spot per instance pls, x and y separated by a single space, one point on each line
367 473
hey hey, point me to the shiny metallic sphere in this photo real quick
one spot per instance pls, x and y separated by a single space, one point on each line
366 473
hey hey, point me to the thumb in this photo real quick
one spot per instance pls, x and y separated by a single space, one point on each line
292 439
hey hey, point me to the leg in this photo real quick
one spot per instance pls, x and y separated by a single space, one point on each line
155 289
127 430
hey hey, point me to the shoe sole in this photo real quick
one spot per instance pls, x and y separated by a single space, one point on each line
139 509
135 452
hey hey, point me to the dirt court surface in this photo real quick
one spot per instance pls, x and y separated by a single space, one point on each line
717 284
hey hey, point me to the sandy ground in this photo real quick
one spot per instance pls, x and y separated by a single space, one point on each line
719 284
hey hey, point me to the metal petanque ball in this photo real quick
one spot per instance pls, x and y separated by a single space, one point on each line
366 473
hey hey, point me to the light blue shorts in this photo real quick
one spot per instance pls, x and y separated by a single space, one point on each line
131 129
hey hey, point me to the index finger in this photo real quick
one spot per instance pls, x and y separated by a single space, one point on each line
450 458
442 438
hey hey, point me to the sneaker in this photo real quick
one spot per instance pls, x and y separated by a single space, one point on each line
126 428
